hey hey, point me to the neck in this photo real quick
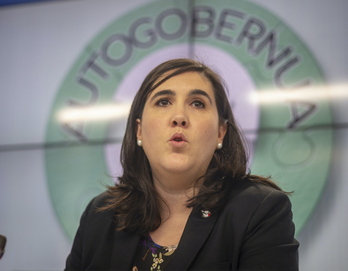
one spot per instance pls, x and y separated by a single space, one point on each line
176 182
175 194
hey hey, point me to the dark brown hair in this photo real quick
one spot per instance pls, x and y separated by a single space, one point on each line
134 197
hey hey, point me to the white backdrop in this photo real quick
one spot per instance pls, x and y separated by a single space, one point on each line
38 45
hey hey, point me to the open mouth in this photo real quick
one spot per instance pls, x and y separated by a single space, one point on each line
178 137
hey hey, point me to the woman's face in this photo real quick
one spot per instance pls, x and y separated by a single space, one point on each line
180 126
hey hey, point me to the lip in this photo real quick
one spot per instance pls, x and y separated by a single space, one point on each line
178 143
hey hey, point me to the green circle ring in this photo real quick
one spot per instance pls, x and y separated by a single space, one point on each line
298 158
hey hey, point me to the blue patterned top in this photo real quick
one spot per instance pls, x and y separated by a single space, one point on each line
151 256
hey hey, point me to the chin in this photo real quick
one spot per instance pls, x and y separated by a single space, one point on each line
180 166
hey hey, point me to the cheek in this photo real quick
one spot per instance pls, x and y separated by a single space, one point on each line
210 129
150 129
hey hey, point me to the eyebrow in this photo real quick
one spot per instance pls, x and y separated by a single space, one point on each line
200 92
172 93
163 93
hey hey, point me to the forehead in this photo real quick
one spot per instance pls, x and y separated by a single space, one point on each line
184 81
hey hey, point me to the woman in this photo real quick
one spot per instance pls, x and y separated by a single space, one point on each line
185 200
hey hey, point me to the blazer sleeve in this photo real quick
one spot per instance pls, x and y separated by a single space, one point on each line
269 242
74 260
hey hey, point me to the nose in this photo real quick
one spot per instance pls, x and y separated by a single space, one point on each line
179 123
179 120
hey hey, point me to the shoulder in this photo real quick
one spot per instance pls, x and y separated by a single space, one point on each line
100 200
95 221
94 210
252 200
247 190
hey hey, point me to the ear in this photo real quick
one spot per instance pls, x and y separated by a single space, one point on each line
138 129
222 132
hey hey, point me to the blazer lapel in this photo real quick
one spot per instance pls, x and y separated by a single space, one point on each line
197 230
124 248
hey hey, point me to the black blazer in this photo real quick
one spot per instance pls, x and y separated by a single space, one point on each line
254 231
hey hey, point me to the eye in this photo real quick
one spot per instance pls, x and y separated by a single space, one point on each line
163 102
198 104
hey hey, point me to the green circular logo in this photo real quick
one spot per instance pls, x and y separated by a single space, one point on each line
257 54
